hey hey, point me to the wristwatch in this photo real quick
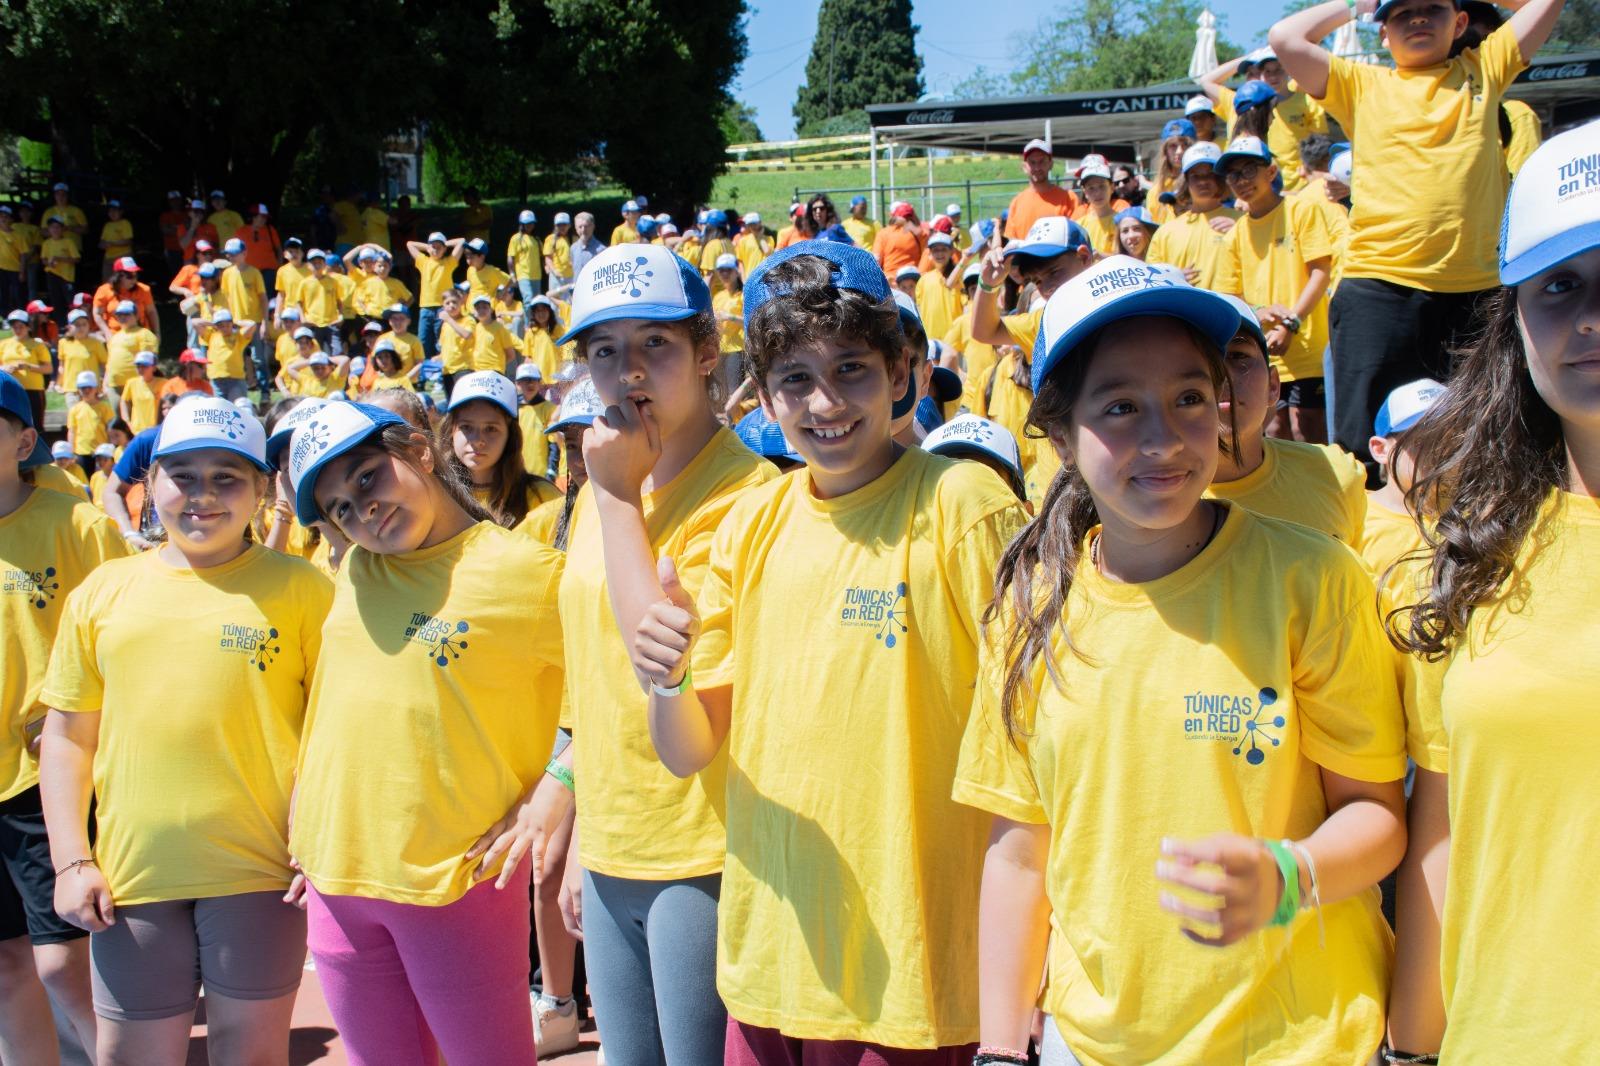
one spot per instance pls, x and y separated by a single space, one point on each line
1292 323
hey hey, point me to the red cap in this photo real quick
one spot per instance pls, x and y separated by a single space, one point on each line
942 224
81 299
189 355
904 210
126 265
38 307
204 245
799 209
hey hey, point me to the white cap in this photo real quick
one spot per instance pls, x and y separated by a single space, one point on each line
212 422
1246 147
1038 145
61 450
1201 152
244 403
297 416
1553 213
646 281
261 209
59 186
290 313
1119 287
358 366
1341 166
579 407
319 359
482 298
233 246
973 271
341 395
1049 237
87 379
396 309
488 385
144 359
126 307
663 218
77 314
218 192
562 218
752 219
197 205
304 333
727 261
437 237
527 371
953 210
1196 105
332 430
1405 405
967 434
1094 165
908 271
940 238
631 205
478 245
174 194
221 314
105 451
526 218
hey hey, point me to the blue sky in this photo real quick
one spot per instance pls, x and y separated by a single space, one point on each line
780 34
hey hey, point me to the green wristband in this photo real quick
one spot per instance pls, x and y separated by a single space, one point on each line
990 288
560 773
1289 869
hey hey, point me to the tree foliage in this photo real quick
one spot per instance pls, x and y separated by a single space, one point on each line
189 94
1099 44
864 53
738 122
1578 28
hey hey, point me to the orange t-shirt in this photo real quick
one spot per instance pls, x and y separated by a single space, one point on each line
205 231
897 246
105 299
1029 206
188 277
178 386
790 235
176 220
262 248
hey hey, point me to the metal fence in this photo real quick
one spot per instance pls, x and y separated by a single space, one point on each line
978 199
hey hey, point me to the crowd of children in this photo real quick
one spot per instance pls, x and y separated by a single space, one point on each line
923 644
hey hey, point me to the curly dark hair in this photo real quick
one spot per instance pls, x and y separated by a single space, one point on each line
809 308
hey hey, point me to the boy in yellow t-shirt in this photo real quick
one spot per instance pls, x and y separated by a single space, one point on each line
558 253
1280 260
902 548
525 258
88 419
483 278
105 461
79 350
60 255
1196 241
406 343
436 261
627 231
939 302
140 401
116 236
534 413
1098 217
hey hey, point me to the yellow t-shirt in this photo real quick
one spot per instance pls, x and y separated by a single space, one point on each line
624 234
194 792
850 893
1436 129
227 221
1102 231
52 477
442 714
29 237
1321 486
688 250
48 545
1514 727
407 345
306 383
1202 702
78 354
1024 327
525 256
976 359
541 525
375 227
399 381
346 284
97 488
286 282
659 827
143 403
1001 400
1294 118
34 351
64 250
13 246
375 294
120 351
89 422
531 419
1526 134
455 351
752 252
731 334
539 348
1266 262
1387 537
1189 242
863 231
318 299
225 354
484 281
246 291
559 249
118 236
434 277
938 304
490 342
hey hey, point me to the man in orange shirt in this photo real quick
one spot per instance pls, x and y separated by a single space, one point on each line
262 247
901 242
171 223
1042 198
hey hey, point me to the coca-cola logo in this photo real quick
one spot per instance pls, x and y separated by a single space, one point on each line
1561 73
923 118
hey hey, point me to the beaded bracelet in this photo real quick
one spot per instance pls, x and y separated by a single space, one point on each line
999 1056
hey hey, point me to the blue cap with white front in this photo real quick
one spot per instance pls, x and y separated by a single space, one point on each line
1119 287
1405 406
212 422
1048 238
14 402
968 435
333 430
1553 212
1140 214
233 246
1242 149
297 416
580 407
1178 127
1253 94
854 269
1201 152
765 437
489 385
645 281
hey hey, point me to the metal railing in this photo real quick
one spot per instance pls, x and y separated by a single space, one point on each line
978 199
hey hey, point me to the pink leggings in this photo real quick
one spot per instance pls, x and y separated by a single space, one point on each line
406 983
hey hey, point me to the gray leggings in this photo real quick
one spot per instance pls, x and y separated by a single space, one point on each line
650 948
1054 1051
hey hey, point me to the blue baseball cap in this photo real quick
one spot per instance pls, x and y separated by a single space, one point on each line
14 402
648 226
579 407
232 246
854 269
1404 406
1248 322
1119 287
212 422
765 437
715 218
857 200
1048 238
1553 212
335 429
1242 148
643 281
1201 152
1140 214
297 416
1178 127
1253 94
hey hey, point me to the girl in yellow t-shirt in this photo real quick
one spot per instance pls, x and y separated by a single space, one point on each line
439 722
1506 743
482 441
539 338
1250 778
728 305
184 885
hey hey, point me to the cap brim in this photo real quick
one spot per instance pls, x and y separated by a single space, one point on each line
1227 157
1551 253
907 402
945 385
38 457
200 445
574 420
1041 249
648 312
1211 314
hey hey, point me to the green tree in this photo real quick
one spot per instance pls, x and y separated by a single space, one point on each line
864 53
1578 28
738 122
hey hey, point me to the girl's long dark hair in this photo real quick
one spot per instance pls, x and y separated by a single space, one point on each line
1254 122
1036 570
509 481
1488 455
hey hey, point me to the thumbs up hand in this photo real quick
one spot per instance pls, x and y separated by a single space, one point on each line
667 632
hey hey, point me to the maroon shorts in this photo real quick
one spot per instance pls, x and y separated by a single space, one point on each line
751 1045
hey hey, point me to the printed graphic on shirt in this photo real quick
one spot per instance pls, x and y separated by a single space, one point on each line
1246 722
260 644
40 586
442 637
882 610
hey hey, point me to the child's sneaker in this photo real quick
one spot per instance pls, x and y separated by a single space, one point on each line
555 1024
